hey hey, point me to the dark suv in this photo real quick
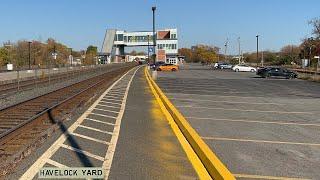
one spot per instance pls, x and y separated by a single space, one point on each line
276 72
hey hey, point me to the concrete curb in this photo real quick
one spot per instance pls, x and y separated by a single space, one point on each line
214 166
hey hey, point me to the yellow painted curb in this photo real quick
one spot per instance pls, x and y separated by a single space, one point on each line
213 165
192 156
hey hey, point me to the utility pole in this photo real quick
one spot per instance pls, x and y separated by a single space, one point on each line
239 49
148 36
257 36
262 60
154 34
71 57
29 42
225 49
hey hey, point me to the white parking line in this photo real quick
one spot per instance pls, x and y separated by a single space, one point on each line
246 97
231 102
204 91
249 176
82 152
90 138
95 129
245 110
253 121
259 141
98 121
56 164
103 115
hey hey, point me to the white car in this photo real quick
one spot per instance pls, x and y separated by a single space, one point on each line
243 68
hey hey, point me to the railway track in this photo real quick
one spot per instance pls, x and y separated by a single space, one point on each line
26 125
8 89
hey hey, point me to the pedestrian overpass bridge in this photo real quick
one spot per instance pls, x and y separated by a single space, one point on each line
115 41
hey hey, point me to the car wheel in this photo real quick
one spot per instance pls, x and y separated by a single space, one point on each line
252 70
173 69
268 75
236 70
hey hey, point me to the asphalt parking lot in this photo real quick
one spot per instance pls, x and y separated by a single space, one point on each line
259 128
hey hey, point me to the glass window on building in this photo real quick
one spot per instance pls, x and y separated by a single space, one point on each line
120 37
170 46
174 46
125 38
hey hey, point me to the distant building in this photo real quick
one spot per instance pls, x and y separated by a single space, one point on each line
131 58
116 40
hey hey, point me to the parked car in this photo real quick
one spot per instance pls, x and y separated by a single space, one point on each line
157 64
167 67
224 66
276 72
243 68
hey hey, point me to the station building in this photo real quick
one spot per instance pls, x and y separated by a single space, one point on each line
115 41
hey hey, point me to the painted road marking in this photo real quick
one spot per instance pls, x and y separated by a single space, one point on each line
246 110
114 139
97 114
112 99
110 102
95 129
41 161
253 121
266 177
98 121
56 164
259 141
117 107
114 94
82 152
231 102
204 91
90 138
185 94
106 110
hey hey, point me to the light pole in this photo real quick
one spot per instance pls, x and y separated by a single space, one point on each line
148 36
225 49
71 57
154 35
257 36
29 42
239 49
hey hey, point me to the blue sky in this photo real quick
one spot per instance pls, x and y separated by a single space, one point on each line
79 23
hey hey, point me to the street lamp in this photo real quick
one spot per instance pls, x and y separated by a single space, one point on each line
239 49
154 35
29 42
148 36
257 36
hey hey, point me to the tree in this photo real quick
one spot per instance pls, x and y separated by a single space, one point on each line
316 27
201 53
91 55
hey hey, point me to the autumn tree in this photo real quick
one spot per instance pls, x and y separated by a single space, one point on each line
91 55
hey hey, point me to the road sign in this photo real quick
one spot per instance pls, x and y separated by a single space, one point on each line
150 49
